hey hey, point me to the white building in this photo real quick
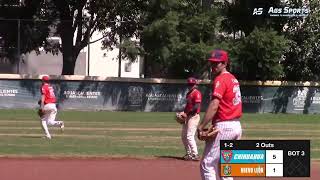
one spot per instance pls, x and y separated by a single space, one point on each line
106 63
92 61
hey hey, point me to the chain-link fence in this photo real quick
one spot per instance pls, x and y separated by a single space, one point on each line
9 45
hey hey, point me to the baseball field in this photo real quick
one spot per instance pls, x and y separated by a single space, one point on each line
132 136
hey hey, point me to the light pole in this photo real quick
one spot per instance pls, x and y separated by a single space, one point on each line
18 48
119 67
120 39
88 61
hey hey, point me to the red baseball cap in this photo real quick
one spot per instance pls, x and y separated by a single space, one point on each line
219 56
45 78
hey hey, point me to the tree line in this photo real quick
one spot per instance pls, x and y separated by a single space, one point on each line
175 36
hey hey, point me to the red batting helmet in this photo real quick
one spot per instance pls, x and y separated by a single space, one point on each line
45 78
218 56
192 81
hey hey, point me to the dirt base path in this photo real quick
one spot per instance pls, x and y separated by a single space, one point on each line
111 169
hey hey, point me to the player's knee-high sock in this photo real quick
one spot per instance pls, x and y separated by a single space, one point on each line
184 139
45 128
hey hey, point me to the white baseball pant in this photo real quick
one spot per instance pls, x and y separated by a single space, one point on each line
209 165
49 118
188 133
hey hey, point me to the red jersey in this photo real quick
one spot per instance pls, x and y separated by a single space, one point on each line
193 97
227 89
48 92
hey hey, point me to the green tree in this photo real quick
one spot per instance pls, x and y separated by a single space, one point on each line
259 55
21 19
74 21
79 19
302 62
177 37
239 16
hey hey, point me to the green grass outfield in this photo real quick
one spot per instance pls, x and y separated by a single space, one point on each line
135 134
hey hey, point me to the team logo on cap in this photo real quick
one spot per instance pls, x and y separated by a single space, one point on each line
227 170
226 155
216 54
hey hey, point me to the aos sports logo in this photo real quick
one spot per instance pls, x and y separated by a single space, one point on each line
282 11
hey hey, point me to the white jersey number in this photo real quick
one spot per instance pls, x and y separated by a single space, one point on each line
51 92
237 98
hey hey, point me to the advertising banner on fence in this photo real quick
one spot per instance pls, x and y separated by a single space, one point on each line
140 96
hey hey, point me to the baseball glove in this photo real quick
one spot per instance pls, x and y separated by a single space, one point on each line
181 117
208 133
40 113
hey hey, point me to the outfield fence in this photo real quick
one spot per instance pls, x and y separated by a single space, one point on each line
132 94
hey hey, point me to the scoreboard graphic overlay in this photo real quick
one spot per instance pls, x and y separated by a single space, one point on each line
270 158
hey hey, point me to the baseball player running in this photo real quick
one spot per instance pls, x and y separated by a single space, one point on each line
48 107
189 128
224 111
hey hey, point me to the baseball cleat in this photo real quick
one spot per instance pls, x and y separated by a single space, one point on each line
195 157
191 157
46 137
187 157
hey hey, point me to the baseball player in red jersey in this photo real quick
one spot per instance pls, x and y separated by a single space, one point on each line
189 128
224 110
48 107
